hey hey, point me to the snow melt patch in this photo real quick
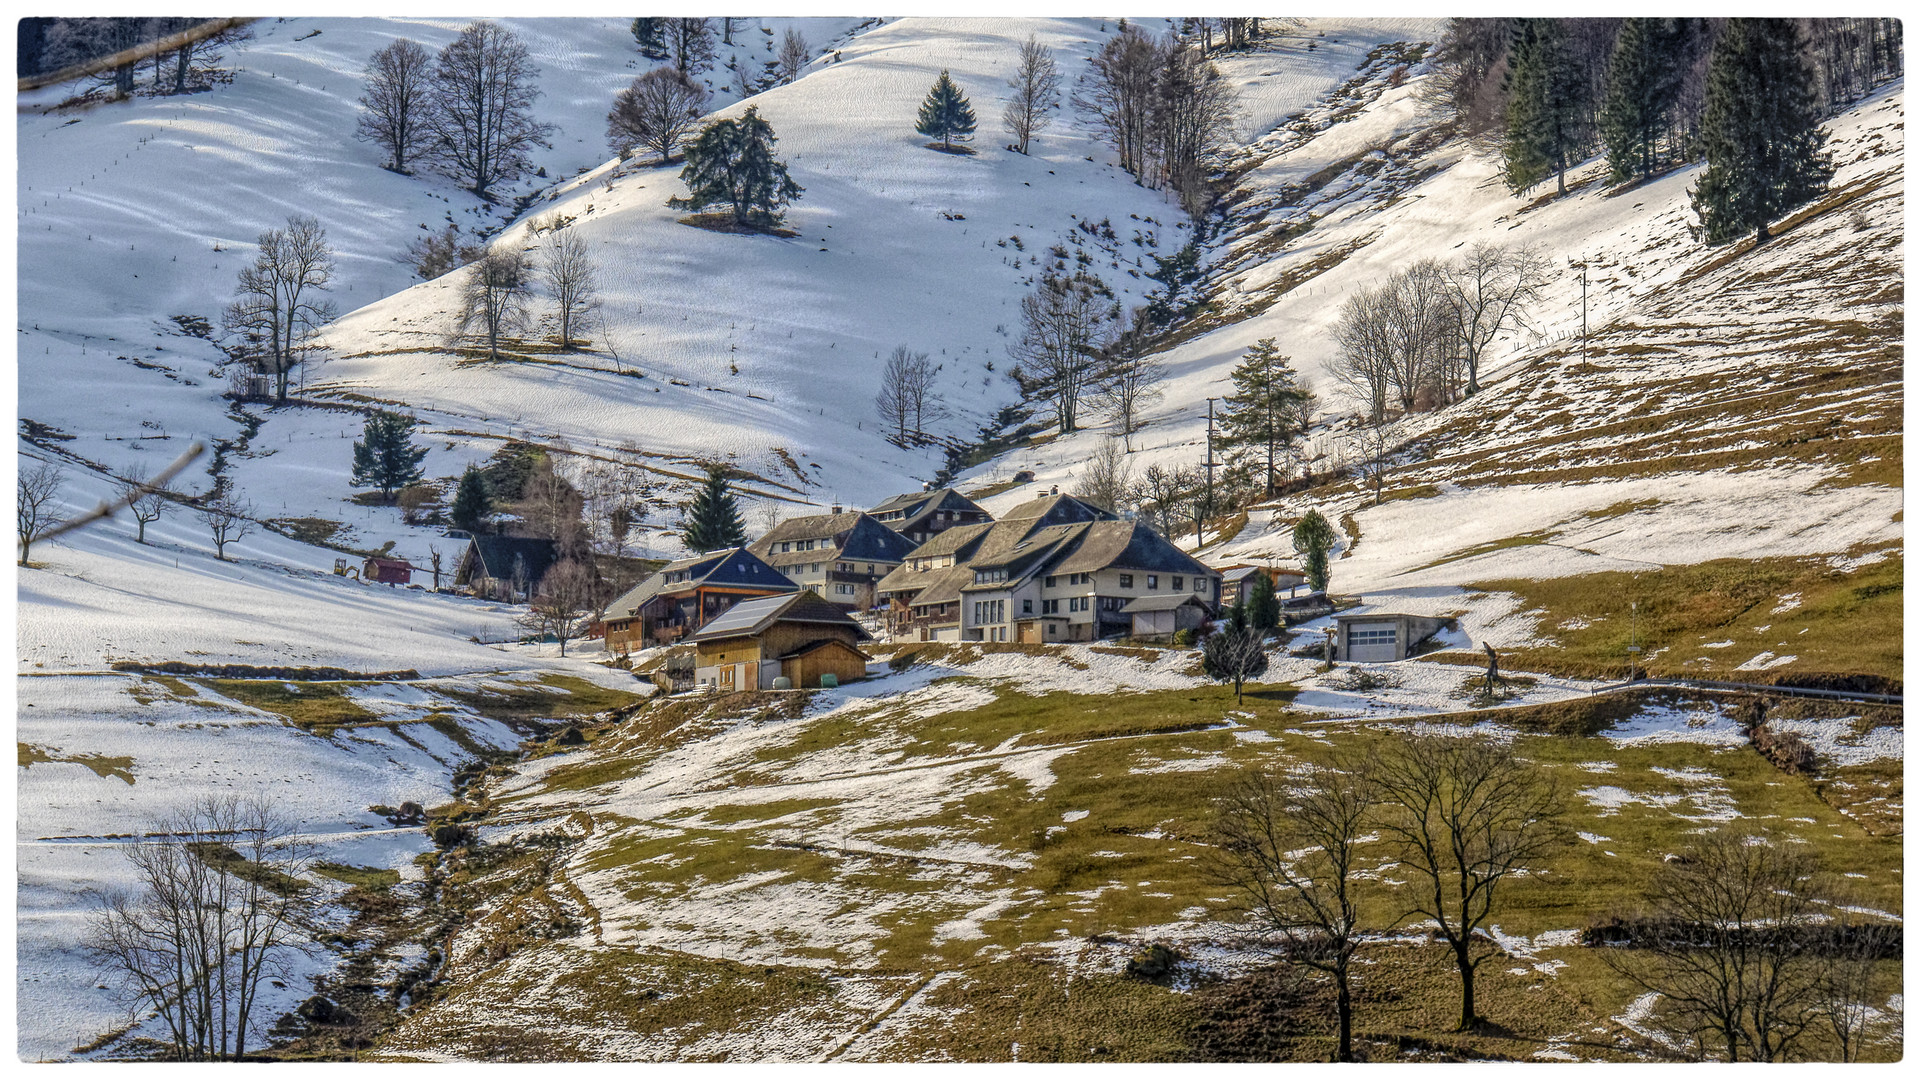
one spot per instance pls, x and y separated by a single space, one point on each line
1664 724
1765 661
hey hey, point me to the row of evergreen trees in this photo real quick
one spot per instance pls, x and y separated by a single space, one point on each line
1746 95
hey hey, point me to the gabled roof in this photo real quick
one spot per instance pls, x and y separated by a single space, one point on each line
751 617
855 536
821 644
495 556
735 567
956 541
1164 602
933 586
915 508
1127 545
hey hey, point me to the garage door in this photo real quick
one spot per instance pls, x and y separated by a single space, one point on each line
1370 643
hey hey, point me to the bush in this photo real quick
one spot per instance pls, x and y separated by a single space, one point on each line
1185 637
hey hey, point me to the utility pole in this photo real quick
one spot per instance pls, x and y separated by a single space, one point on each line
1199 537
1582 264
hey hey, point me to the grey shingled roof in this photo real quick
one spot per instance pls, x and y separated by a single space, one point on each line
1164 602
750 617
713 567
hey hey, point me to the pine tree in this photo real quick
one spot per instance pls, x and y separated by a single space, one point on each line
1263 605
1313 539
732 164
471 504
385 456
1642 77
1761 131
945 115
1545 92
1267 410
713 518
648 34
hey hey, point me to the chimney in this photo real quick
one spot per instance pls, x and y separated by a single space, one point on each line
1055 491
836 508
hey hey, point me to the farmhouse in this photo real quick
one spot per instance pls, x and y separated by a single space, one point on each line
686 595
801 637
1365 636
839 555
1236 582
920 515
1053 569
505 567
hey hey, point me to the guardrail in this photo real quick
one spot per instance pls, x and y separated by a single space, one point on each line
1753 688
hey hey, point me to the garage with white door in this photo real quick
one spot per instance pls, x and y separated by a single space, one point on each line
1381 637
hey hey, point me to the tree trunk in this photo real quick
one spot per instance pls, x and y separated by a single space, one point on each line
1345 1005
1465 961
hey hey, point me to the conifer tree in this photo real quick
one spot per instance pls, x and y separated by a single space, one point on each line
1267 409
471 503
1642 76
1313 539
731 164
1263 604
945 115
1761 131
713 518
648 34
1545 94
385 456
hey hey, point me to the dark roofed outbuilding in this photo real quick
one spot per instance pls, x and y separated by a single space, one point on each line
506 567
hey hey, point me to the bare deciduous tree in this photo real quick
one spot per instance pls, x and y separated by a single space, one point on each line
657 111
217 910
481 123
394 108
1193 112
1467 815
794 55
1851 997
1291 848
494 297
1235 654
691 42
1163 494
1375 457
906 401
37 500
437 560
1491 288
229 519
1129 384
1035 90
1395 340
568 594
1118 92
1060 322
571 280
1107 479
279 303
1724 943
146 501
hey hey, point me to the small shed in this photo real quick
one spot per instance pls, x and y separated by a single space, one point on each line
835 657
1163 616
387 571
1371 637
1236 582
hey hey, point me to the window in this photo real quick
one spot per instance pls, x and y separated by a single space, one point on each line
1112 603
1049 607
816 568
1153 581
1199 584
1389 636
1026 607
843 590
1049 581
1077 603
1179 583
1126 581
869 568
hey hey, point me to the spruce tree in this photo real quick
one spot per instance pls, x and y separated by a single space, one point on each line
1761 131
1263 604
945 115
1313 539
731 164
385 456
1642 76
1545 92
649 34
471 504
713 518
1267 409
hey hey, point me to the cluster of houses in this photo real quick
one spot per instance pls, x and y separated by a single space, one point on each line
793 608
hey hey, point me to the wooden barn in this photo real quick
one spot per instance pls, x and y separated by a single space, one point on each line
800 636
387 571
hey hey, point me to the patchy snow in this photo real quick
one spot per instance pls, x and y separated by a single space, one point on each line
1765 660
1835 740
1656 724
